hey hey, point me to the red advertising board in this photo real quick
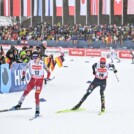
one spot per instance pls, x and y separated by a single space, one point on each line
77 52
124 54
93 53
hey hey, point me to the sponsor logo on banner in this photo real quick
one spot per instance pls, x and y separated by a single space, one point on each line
16 74
124 54
36 67
77 52
93 53
5 78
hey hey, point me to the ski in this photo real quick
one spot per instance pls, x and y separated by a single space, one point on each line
70 110
13 109
35 117
101 112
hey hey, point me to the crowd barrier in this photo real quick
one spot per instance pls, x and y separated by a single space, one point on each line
11 78
69 44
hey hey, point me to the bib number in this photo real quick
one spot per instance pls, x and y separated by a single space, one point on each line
101 75
36 72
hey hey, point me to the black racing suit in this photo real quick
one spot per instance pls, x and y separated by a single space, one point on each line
95 83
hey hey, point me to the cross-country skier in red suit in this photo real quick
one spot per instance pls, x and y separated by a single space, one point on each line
36 67
100 71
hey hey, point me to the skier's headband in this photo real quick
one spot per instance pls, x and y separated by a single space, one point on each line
35 56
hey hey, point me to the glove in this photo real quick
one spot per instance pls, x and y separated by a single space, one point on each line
115 71
94 72
23 77
45 81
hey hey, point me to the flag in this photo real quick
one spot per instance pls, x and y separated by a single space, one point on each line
94 7
83 7
71 4
38 8
48 7
59 7
106 7
27 7
130 7
59 60
50 63
118 7
6 7
16 7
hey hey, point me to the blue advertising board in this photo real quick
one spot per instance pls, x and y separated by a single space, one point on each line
11 78
5 78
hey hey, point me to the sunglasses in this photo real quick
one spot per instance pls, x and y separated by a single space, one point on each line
103 63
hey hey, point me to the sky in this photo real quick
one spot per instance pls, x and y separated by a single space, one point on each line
65 91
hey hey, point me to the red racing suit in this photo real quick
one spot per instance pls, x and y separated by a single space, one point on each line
37 77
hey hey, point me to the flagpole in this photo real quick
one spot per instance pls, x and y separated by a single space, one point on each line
0 6
62 13
20 13
98 12
31 15
122 12
110 12
42 12
52 12
75 12
86 13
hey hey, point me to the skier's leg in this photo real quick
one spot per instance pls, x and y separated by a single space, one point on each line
29 87
89 91
39 84
102 89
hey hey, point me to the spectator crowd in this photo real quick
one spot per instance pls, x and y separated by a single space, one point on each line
108 34
13 55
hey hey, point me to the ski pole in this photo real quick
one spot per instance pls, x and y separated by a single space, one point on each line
116 77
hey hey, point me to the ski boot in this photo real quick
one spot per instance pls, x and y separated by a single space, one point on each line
76 106
37 113
18 106
102 108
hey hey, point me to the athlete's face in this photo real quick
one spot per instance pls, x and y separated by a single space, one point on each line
36 60
102 64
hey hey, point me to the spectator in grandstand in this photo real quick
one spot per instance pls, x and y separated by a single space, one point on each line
39 50
9 57
43 47
31 48
15 54
2 58
23 56
29 54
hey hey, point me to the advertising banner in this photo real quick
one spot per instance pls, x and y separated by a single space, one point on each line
11 78
93 53
77 52
16 75
5 78
125 54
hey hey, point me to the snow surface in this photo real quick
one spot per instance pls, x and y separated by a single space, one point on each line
64 92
